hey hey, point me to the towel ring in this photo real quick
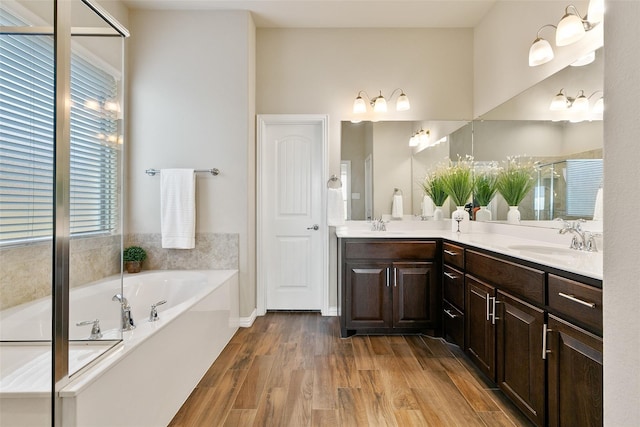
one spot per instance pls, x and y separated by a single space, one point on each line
334 182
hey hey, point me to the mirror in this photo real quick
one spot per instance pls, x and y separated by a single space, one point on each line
376 157
567 145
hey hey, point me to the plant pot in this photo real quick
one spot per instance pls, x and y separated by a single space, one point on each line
483 214
513 216
133 266
460 220
437 213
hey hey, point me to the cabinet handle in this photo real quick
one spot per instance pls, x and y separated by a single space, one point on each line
487 307
451 276
452 253
450 314
578 300
395 277
387 277
544 341
493 314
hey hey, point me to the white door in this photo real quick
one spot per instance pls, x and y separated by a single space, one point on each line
291 222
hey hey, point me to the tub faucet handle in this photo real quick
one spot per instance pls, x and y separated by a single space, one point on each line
96 334
153 316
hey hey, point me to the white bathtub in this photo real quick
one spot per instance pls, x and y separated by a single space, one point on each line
142 380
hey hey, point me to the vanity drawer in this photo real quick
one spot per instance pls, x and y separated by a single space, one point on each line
453 286
453 255
576 300
390 249
525 282
453 320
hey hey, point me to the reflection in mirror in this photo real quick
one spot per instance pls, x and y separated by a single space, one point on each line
376 159
566 144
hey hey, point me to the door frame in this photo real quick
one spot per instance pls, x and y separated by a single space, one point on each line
282 119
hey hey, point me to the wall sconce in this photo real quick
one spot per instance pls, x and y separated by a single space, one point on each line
379 103
578 105
571 28
420 137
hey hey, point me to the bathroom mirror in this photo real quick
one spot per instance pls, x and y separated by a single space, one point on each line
567 144
376 159
377 156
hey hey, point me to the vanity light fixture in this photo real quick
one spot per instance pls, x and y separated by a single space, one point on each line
379 103
421 137
585 60
578 106
571 28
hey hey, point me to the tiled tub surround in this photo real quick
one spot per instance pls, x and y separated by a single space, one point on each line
213 251
25 270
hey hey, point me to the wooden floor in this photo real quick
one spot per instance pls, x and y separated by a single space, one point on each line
293 369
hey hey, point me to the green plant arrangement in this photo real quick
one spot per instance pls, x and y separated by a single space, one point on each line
515 180
133 257
457 180
434 188
485 187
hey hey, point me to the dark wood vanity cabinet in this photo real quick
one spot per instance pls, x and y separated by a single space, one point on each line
453 307
504 330
389 286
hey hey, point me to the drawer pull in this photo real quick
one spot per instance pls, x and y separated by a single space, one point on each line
578 300
450 314
451 276
387 277
452 253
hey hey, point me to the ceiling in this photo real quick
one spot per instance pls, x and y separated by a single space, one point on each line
341 13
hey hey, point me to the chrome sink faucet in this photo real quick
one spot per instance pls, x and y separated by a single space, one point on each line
378 225
582 240
127 320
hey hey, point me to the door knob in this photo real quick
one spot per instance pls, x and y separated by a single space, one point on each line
313 227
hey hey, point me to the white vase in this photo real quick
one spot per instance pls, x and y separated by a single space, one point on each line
513 216
483 214
463 226
437 213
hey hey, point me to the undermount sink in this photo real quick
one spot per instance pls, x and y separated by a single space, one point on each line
382 233
544 250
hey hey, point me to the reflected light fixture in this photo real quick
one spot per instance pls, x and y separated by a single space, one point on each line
421 137
585 60
578 106
571 28
379 103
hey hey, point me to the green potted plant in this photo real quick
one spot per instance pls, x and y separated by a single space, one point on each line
458 183
484 189
434 188
133 257
515 180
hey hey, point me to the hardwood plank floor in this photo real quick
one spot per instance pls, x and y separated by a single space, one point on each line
293 369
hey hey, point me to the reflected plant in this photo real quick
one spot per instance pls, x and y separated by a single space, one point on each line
485 183
433 187
516 179
458 180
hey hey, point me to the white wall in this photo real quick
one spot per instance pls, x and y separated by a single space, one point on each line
191 106
622 245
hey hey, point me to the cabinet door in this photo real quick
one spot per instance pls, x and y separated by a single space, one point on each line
575 376
368 295
520 366
480 337
415 295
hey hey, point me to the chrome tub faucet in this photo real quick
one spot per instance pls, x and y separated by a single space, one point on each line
127 320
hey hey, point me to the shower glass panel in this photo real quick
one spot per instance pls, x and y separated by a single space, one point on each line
26 209
95 184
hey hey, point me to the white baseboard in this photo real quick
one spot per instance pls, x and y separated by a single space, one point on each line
246 322
332 311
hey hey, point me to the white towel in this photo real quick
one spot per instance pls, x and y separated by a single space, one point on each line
598 208
178 208
396 207
335 211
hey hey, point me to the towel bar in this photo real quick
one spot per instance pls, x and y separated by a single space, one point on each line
213 171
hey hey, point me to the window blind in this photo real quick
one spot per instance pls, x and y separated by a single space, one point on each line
27 134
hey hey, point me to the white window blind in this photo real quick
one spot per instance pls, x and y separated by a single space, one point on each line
26 141
584 177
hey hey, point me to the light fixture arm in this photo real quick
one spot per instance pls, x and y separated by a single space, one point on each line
597 91
585 22
543 27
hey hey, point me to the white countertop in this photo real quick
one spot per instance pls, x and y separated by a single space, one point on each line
540 245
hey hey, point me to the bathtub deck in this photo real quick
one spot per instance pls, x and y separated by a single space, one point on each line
293 369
